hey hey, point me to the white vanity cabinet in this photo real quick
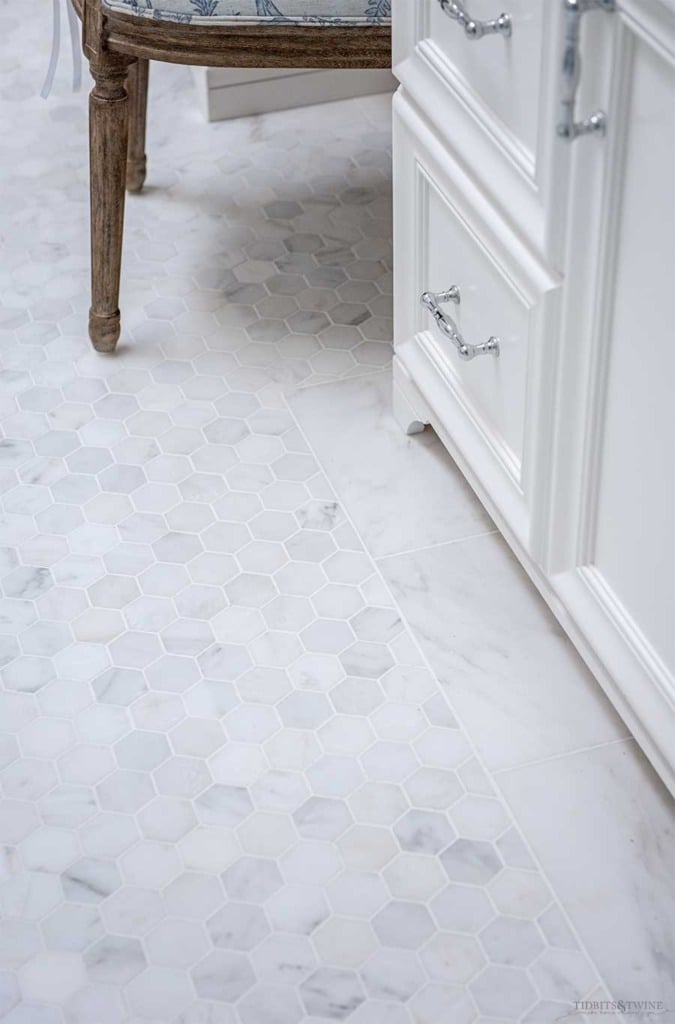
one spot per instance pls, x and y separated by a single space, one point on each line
556 258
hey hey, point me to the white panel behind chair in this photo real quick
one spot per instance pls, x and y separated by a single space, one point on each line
230 93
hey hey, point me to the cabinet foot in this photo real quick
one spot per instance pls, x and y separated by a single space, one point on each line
409 408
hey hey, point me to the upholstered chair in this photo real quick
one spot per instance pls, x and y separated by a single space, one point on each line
121 37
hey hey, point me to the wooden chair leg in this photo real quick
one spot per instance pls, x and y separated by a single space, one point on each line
137 87
108 135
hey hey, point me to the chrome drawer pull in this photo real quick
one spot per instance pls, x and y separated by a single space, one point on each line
447 326
596 124
477 29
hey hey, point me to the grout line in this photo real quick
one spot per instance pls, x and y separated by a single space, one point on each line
425 660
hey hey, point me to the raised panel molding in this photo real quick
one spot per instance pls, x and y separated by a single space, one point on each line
522 158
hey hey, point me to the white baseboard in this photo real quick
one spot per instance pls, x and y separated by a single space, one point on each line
227 93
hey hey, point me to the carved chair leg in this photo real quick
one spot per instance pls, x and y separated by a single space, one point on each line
137 87
108 134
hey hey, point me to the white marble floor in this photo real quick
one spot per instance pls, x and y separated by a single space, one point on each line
253 767
596 816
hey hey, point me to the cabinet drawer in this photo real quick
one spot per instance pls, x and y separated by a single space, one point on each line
493 100
503 75
448 235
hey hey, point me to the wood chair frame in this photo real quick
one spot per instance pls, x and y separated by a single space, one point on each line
119 48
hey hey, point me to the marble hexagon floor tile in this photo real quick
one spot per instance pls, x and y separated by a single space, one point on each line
231 791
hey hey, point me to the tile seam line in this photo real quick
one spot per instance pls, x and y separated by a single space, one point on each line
349 376
437 544
582 945
560 757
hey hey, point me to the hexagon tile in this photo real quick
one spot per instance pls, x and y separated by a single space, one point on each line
231 790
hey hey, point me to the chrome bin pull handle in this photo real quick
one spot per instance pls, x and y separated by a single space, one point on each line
449 329
477 29
568 128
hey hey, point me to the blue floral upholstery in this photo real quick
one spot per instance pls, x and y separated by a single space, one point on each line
257 12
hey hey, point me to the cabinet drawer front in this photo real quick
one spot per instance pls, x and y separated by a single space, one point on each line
502 74
448 235
452 253
494 101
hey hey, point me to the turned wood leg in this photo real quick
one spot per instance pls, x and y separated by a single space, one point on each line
137 87
108 134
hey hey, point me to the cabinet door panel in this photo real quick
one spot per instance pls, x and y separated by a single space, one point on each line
612 557
635 515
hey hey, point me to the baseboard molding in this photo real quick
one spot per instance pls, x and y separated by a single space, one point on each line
226 93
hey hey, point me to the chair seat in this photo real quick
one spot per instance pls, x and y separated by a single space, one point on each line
259 12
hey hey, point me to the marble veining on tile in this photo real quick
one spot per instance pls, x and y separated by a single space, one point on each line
403 493
512 675
627 820
231 789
